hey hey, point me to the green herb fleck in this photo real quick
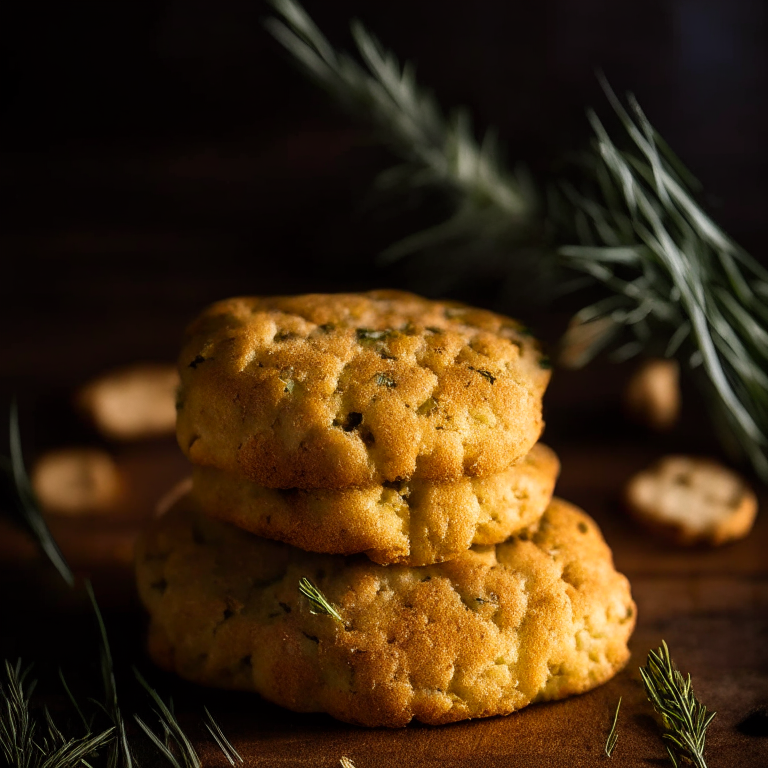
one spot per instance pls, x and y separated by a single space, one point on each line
367 334
29 742
685 719
427 407
545 363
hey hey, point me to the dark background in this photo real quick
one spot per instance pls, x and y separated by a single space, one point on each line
156 156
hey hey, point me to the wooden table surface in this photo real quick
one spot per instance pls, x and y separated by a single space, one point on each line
711 606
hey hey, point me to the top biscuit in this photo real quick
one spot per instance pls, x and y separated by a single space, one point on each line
340 390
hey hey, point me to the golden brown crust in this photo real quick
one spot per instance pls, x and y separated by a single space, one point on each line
691 500
539 617
415 523
330 391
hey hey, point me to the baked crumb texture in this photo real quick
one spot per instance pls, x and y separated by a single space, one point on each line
354 390
416 522
692 500
541 616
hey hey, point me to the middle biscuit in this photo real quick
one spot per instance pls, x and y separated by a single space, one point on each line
416 523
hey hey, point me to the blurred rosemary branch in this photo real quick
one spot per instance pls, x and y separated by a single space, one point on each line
673 280
436 151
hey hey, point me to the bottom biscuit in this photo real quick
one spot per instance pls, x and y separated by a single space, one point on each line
540 617
413 523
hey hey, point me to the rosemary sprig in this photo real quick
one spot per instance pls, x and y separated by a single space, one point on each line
678 284
120 751
437 152
613 736
684 718
24 743
317 601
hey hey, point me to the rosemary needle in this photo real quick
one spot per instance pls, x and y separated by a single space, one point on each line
28 742
613 736
318 602
232 755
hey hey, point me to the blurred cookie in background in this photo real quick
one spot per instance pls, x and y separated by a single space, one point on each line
692 500
77 481
132 403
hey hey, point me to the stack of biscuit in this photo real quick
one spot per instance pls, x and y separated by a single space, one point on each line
384 447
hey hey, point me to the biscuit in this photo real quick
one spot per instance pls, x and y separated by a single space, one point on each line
539 617
132 403
692 501
331 391
415 522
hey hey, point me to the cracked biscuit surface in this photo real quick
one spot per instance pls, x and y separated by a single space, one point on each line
338 390
540 617
416 523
